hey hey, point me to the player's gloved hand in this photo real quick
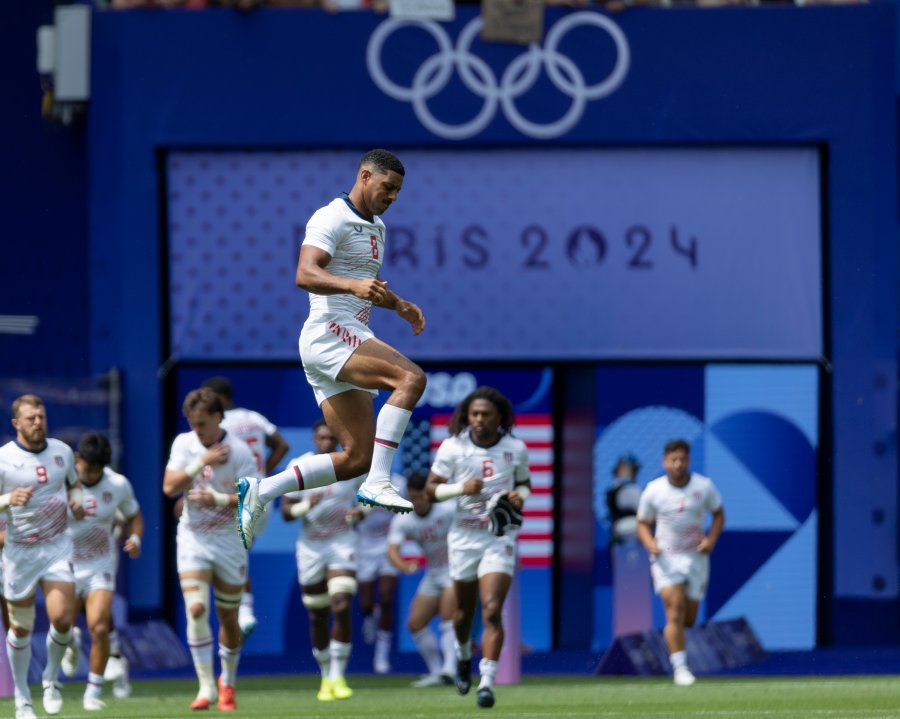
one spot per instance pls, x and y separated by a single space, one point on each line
504 516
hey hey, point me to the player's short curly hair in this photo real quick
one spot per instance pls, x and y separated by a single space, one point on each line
460 419
383 161
677 445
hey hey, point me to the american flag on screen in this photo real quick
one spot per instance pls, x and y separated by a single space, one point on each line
536 430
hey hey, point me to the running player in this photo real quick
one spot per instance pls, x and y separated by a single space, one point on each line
38 485
96 556
483 465
428 526
677 503
326 567
205 463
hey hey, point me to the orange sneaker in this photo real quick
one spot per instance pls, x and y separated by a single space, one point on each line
200 703
227 701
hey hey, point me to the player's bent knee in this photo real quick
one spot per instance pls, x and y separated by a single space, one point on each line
22 617
341 585
196 602
316 601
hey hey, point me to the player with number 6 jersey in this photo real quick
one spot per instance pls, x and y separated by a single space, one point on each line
486 468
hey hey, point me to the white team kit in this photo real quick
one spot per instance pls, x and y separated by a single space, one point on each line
474 549
338 324
372 540
37 546
206 538
430 533
679 514
95 553
253 429
326 540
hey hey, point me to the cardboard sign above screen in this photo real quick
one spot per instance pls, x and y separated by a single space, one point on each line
534 254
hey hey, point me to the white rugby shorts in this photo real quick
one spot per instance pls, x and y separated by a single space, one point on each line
24 567
220 552
434 582
372 561
691 569
475 553
94 574
316 556
325 347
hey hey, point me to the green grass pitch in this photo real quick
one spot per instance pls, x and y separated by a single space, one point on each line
537 696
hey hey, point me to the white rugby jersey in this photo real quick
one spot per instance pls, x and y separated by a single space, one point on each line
49 472
92 536
186 448
429 532
356 247
501 466
679 512
252 428
329 517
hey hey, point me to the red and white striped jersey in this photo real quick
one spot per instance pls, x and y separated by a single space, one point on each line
186 448
535 539
428 532
49 472
356 246
92 536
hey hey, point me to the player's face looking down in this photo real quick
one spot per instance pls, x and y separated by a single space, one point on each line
380 190
484 422
88 474
676 465
31 425
206 426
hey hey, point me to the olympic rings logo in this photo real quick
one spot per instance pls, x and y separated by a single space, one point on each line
519 77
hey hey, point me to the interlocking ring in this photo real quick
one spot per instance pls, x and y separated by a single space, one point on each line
435 72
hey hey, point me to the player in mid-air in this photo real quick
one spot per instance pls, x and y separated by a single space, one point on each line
268 446
345 363
205 463
38 486
326 567
96 555
677 504
428 526
486 468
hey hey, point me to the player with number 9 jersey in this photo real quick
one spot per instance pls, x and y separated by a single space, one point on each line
36 531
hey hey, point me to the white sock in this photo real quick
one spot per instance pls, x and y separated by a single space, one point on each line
314 470
202 654
94 686
487 668
678 660
229 658
57 642
18 650
383 645
448 647
247 600
427 645
389 429
340 654
463 651
323 658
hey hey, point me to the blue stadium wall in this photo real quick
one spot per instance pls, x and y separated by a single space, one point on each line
273 80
